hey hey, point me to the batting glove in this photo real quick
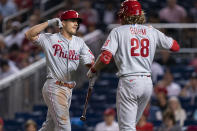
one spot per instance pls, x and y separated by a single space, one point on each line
91 73
55 22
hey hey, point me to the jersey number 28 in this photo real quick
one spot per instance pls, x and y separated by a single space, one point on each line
144 50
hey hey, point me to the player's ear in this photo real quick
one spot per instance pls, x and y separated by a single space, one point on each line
63 23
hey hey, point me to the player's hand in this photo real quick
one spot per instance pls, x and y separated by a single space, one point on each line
55 22
91 73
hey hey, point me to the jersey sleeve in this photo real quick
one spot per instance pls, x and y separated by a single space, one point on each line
86 55
163 41
111 44
40 40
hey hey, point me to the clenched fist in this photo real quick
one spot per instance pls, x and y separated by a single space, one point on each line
55 22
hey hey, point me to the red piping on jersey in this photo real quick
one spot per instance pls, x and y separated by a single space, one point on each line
175 46
53 106
106 57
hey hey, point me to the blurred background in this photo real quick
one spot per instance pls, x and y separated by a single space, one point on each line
23 70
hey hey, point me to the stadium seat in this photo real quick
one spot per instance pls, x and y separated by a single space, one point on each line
185 101
76 121
157 123
22 116
93 121
153 100
153 111
78 128
42 108
12 125
190 122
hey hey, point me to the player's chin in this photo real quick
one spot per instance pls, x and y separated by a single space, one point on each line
74 32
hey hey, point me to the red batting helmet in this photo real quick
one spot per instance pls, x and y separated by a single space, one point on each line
70 14
130 8
109 111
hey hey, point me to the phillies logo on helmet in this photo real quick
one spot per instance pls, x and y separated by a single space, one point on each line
77 14
70 14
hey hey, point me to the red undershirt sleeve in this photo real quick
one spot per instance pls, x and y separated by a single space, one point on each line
175 46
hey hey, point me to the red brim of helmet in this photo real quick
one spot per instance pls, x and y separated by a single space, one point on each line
78 19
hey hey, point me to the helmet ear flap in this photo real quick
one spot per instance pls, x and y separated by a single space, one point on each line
78 27
79 22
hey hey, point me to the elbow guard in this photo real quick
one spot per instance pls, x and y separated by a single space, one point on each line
105 57
175 46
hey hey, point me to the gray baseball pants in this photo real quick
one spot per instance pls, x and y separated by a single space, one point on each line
133 94
58 100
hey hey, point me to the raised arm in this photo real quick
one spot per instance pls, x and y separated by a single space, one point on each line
32 33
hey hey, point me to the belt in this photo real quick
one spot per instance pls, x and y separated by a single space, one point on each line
142 75
61 83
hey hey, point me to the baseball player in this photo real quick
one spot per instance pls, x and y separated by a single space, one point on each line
63 52
132 46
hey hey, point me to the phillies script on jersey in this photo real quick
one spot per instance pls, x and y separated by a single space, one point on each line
64 54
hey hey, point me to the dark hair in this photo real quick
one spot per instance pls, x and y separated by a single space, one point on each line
3 62
169 115
14 47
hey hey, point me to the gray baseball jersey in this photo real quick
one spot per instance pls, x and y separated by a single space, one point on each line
63 55
62 59
133 47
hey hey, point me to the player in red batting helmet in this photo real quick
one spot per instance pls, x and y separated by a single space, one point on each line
131 12
132 45
71 15
64 51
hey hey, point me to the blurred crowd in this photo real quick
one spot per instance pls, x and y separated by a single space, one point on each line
30 125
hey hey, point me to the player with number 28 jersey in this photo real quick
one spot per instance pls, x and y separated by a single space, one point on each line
133 46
